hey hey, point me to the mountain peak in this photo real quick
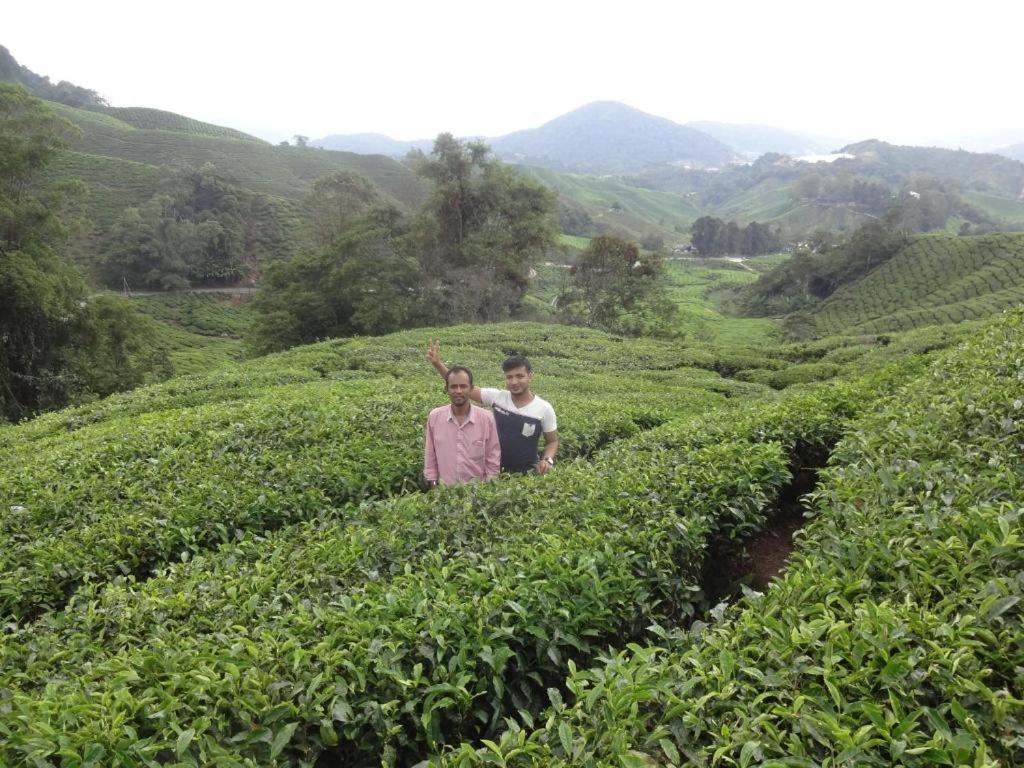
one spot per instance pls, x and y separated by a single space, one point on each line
611 137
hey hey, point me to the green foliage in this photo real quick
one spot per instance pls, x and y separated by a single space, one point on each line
432 618
308 432
363 282
594 205
55 345
198 332
935 280
204 232
337 200
808 277
245 551
224 315
467 256
480 233
894 636
613 287
158 119
714 237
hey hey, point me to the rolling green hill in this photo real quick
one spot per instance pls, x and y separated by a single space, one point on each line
613 203
936 279
286 172
158 119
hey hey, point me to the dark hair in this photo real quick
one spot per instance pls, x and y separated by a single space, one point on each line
457 369
516 361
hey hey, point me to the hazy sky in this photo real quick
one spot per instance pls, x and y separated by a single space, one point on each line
908 72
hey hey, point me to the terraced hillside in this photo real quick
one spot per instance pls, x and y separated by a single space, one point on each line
285 172
935 280
161 120
622 207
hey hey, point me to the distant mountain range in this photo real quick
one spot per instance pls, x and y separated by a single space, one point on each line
752 141
371 144
609 137
613 168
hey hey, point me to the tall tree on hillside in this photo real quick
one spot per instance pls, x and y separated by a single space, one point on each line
480 233
467 255
364 281
337 200
706 235
615 288
55 343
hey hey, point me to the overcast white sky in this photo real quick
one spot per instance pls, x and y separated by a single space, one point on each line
908 72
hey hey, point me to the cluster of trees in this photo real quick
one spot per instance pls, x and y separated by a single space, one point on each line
573 219
57 344
867 194
466 256
200 231
712 236
613 287
63 92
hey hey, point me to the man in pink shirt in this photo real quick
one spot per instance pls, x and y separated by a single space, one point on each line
461 443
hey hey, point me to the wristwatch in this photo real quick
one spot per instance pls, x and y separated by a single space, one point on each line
549 460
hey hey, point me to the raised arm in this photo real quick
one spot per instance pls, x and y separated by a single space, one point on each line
434 357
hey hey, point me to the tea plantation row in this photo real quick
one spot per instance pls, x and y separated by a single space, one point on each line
404 625
937 279
893 639
123 486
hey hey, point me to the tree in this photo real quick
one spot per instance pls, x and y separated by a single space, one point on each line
201 231
53 338
713 237
363 282
652 242
466 256
706 235
337 200
480 233
300 140
613 287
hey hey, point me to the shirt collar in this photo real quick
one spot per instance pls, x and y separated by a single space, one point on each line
469 418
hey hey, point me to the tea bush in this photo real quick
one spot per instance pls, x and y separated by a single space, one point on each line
894 637
409 624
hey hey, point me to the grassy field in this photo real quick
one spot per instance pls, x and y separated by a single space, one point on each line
695 286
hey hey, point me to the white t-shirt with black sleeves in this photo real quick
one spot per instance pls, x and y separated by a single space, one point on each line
519 429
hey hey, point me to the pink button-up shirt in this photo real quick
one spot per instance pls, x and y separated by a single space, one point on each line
461 453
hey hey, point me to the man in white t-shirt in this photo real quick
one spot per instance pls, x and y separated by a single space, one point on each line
521 416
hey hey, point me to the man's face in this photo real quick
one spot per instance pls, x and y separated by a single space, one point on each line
458 388
517 380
